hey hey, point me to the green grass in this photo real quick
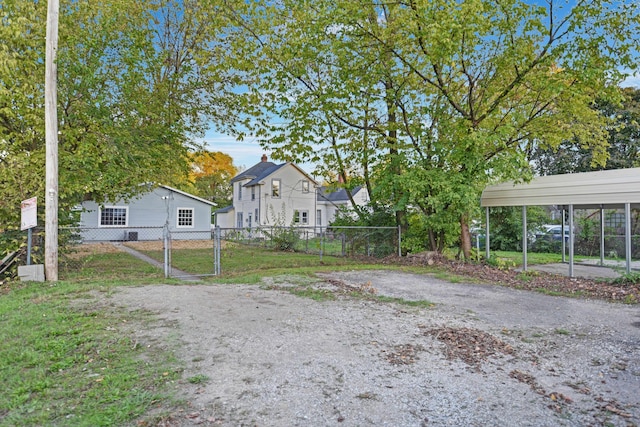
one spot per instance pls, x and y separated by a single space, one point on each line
111 266
408 303
198 379
248 264
532 257
71 363
537 257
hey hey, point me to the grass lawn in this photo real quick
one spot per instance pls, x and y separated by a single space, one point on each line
538 257
68 359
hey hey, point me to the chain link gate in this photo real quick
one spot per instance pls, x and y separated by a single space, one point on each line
184 241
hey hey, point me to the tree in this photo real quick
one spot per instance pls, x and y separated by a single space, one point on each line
432 100
623 141
210 176
132 76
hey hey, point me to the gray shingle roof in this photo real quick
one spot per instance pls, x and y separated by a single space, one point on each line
256 171
340 195
225 209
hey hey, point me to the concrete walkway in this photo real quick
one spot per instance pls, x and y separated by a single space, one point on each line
175 273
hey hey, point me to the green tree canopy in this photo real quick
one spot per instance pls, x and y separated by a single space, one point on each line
431 100
623 141
136 82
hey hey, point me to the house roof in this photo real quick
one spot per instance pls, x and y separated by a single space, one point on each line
226 209
260 171
255 171
340 195
210 203
609 188
258 179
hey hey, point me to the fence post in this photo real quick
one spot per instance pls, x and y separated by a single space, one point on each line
167 251
399 241
216 250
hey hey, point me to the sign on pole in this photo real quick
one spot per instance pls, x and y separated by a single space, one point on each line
29 213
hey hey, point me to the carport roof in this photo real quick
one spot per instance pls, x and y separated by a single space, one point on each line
609 188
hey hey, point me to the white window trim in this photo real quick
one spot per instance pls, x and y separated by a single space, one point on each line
193 218
279 181
297 214
305 186
126 216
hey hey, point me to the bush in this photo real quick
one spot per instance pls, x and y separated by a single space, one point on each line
283 238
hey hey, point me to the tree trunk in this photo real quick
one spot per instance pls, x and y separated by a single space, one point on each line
465 238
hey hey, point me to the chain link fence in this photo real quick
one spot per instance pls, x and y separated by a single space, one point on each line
376 242
190 255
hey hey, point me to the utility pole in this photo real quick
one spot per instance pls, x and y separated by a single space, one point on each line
51 138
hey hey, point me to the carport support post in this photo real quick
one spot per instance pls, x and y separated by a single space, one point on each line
601 235
570 241
564 242
627 235
486 236
524 238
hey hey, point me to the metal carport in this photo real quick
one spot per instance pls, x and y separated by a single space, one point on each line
609 189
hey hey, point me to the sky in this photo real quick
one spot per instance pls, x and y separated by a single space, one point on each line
244 153
248 152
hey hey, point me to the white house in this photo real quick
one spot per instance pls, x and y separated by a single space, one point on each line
268 194
143 217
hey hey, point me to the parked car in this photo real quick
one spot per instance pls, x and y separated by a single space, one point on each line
553 232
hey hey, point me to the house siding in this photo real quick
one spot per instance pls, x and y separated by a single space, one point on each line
152 209
298 193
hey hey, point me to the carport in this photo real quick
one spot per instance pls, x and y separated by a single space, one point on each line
610 189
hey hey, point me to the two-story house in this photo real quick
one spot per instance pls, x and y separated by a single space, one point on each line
268 194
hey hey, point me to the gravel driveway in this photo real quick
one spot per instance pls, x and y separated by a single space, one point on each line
482 355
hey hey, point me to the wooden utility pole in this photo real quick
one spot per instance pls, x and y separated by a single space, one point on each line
51 138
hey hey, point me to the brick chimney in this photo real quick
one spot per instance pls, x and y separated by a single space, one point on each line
264 158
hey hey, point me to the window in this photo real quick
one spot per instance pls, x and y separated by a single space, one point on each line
305 186
114 216
257 217
185 217
253 192
275 188
239 191
319 217
301 217
239 220
614 220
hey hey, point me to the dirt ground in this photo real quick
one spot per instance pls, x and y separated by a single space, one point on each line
481 355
